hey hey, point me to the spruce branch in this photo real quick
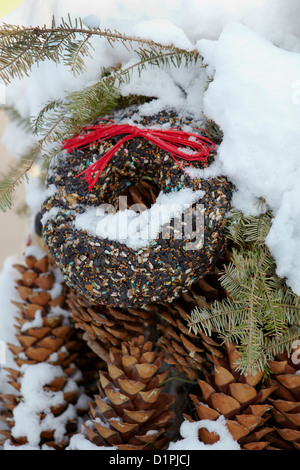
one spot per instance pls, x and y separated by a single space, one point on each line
261 315
70 42
13 115
76 53
278 346
19 171
81 107
15 176
57 121
249 229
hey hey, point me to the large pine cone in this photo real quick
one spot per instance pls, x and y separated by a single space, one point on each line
131 412
48 339
190 354
241 399
286 402
106 327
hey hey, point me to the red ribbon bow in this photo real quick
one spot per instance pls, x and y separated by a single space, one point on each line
173 141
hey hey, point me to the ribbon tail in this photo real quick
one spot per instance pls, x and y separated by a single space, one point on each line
179 164
101 164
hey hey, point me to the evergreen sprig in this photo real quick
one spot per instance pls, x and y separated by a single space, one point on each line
261 314
70 42
13 115
15 176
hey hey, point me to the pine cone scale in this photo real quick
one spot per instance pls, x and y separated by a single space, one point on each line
131 412
46 339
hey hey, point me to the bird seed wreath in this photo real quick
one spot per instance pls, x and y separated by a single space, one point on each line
96 167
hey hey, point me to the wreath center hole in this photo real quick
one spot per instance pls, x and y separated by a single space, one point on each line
144 193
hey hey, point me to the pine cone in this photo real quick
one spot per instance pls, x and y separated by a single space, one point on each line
286 403
130 411
188 353
45 336
107 327
45 414
241 399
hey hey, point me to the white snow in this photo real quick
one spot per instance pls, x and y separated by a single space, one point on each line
277 20
53 358
253 102
190 441
151 432
58 311
83 402
251 48
57 287
38 400
35 192
164 29
91 21
8 446
178 22
34 250
22 144
79 442
36 323
49 215
7 313
137 229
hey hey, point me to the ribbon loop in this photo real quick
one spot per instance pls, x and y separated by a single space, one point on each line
185 145
136 132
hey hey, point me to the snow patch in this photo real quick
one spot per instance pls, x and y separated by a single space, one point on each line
34 250
36 400
135 229
36 323
8 311
190 441
79 442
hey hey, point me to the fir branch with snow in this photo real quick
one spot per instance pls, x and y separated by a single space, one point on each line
69 43
261 314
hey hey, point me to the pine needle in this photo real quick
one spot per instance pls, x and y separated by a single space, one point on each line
261 314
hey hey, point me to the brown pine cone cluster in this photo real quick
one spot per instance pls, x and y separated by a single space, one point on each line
53 426
105 327
261 414
131 412
286 403
130 409
46 337
242 400
187 353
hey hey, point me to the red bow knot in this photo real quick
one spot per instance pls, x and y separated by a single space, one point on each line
185 145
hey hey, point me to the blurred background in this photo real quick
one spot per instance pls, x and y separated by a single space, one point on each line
13 227
8 5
